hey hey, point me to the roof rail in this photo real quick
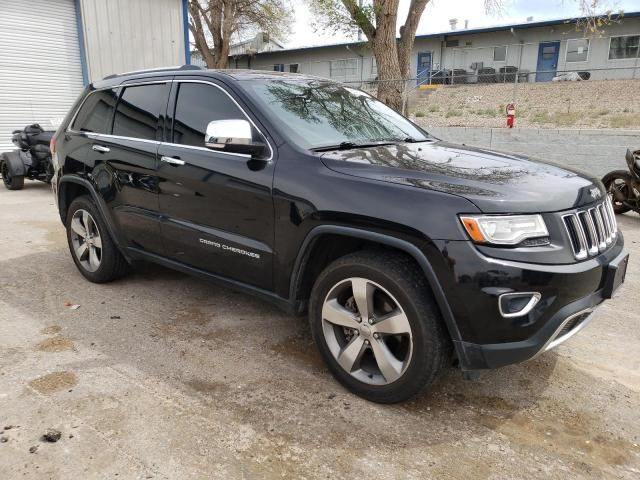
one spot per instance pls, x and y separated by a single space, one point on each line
150 70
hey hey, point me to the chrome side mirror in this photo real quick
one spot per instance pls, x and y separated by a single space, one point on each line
234 136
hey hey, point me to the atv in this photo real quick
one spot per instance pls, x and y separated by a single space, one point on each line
32 160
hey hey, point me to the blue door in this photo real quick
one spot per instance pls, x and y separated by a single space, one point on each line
424 68
548 53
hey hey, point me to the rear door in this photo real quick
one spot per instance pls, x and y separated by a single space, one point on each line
124 162
217 206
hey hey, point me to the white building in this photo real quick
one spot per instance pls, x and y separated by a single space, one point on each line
51 49
539 50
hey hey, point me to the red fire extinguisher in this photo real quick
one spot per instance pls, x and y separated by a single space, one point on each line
511 114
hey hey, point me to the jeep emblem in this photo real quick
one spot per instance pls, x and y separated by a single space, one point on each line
595 193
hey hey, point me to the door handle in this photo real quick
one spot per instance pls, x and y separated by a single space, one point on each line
172 160
100 148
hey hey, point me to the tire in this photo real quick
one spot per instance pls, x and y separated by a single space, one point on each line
11 182
609 182
97 264
417 355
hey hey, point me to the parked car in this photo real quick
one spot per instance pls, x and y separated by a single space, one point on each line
407 252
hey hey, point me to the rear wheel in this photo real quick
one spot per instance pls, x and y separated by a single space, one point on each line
11 182
377 326
617 185
92 248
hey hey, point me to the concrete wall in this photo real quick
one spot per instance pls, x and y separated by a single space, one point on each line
594 151
126 35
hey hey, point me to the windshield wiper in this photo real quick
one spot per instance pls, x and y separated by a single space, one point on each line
349 146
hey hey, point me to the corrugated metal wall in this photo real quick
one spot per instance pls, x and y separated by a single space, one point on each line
126 35
40 69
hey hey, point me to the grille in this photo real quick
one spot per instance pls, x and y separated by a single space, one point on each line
591 230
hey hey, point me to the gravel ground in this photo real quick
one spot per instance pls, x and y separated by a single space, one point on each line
590 104
165 376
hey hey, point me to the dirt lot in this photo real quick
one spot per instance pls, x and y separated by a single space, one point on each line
164 376
590 104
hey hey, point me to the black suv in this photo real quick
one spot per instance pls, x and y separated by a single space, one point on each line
406 251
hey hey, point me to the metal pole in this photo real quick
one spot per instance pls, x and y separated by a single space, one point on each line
515 82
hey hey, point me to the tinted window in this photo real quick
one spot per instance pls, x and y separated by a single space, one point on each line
196 106
95 112
138 111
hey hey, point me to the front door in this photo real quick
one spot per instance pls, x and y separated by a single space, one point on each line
217 206
424 68
548 53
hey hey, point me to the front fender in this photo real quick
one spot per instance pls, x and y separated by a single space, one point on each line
14 163
400 244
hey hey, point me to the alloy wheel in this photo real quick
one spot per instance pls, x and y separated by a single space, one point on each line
367 331
86 240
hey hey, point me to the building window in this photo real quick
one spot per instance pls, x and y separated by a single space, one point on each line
452 43
293 68
374 67
344 68
278 67
624 47
500 53
577 50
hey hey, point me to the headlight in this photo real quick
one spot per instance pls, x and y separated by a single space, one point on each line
504 229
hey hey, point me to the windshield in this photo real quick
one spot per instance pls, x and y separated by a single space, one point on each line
316 114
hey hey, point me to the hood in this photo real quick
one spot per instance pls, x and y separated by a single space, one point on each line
495 182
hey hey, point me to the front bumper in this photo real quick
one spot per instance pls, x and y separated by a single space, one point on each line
570 294
557 330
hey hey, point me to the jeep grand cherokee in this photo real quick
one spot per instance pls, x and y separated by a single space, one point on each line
407 252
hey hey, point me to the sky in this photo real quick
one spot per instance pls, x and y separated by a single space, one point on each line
438 12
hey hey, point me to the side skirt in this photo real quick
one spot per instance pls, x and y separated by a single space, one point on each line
282 303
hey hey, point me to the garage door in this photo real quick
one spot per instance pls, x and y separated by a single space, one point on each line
40 70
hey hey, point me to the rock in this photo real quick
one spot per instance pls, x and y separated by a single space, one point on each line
115 317
331 396
4 439
33 449
8 427
52 435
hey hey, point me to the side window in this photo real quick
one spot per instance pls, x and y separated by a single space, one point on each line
197 105
138 111
95 113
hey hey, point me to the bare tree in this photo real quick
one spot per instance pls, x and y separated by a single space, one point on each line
378 20
214 23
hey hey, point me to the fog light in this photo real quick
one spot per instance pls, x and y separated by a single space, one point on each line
517 304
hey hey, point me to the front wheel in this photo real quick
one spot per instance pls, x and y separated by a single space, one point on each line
376 324
10 181
617 185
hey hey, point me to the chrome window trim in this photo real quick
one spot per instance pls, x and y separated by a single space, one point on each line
193 147
120 137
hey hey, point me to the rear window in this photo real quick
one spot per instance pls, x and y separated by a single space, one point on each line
95 112
139 110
